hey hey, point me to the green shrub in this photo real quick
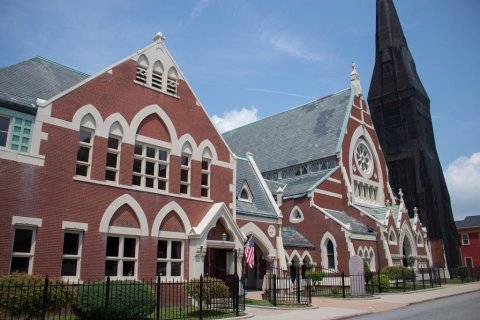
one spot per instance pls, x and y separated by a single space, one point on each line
21 295
398 273
213 288
128 300
314 276
384 282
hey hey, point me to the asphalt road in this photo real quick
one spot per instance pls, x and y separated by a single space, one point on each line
460 307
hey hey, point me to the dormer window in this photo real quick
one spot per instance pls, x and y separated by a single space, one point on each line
245 193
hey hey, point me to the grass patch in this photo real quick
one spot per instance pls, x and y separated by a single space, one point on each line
254 302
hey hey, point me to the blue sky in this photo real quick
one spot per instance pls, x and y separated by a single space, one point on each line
248 59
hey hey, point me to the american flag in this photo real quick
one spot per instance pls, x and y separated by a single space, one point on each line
250 252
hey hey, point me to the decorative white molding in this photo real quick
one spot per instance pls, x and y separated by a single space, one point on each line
113 207
329 193
71 225
291 217
27 221
22 157
260 238
171 206
323 249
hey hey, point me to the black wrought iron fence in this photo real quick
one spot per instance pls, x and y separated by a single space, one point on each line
41 298
283 288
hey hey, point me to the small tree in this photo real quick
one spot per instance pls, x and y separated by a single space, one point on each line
381 282
213 288
21 295
398 273
314 276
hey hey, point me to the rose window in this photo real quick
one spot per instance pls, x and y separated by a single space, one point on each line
363 159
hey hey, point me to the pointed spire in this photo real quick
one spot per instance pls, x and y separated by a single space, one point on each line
394 66
389 31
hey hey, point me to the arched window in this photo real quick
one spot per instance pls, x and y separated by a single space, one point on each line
172 81
360 253
330 254
392 238
142 67
205 178
245 193
157 75
185 161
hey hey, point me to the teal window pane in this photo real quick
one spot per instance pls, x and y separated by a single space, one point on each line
26 131
15 138
15 146
18 121
24 149
28 123
25 140
17 129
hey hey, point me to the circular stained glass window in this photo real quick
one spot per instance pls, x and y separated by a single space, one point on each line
363 159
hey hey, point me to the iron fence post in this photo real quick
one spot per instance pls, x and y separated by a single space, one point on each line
430 273
157 308
414 277
45 298
423 280
236 295
200 302
107 296
274 290
378 278
343 284
298 284
439 279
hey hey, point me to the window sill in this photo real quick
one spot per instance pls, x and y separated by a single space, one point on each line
22 157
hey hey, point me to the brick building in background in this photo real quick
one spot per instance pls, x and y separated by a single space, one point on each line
469 237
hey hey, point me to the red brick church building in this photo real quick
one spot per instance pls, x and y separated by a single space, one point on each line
123 174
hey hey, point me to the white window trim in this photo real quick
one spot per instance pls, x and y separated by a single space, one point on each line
77 256
206 172
245 188
120 258
189 172
117 152
9 131
143 176
169 260
31 254
471 259
394 241
292 217
324 253
467 242
420 242
88 164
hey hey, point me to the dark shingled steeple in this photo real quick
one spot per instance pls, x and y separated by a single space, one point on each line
400 110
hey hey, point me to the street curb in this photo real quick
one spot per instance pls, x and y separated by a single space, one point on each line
406 305
282 308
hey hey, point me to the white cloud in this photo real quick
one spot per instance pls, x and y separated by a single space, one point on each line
234 118
201 5
463 180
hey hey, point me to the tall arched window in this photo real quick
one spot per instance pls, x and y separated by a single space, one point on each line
142 67
157 75
330 254
172 81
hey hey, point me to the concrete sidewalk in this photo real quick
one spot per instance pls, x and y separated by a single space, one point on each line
332 308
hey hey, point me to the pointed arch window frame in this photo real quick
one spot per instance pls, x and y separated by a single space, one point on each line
249 196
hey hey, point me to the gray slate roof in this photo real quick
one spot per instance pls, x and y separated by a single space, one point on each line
261 206
381 212
22 83
301 184
357 226
292 238
308 132
274 185
468 222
